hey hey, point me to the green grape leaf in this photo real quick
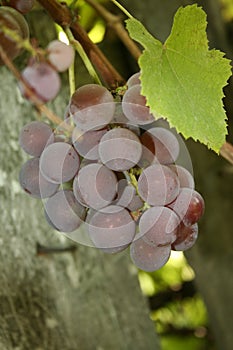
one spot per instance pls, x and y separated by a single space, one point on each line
182 79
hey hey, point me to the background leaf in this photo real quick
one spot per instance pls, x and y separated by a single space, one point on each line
182 79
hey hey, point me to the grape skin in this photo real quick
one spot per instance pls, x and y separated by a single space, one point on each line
158 185
34 137
158 226
120 149
60 55
22 6
12 19
59 162
189 206
134 106
95 186
112 229
33 182
147 257
92 107
162 145
64 212
43 80
134 80
186 237
86 143
184 176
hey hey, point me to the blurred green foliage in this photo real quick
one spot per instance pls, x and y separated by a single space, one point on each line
182 321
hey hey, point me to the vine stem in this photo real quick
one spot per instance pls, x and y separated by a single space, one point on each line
83 56
122 8
31 95
116 23
62 16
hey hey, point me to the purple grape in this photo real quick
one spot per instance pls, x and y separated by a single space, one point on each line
34 137
59 162
158 226
135 204
189 206
95 186
33 182
186 237
92 107
120 149
63 211
22 6
112 229
134 106
160 145
134 80
13 20
60 55
158 185
127 197
43 80
149 258
86 143
184 176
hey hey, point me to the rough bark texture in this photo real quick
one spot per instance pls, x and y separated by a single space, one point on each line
81 300
212 256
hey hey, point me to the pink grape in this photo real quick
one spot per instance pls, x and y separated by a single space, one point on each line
189 206
158 226
43 80
92 107
158 185
60 55
134 106
147 257
35 136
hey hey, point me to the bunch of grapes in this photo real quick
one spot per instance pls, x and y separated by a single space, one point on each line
116 175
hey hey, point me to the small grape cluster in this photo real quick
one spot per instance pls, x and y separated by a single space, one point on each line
41 73
116 174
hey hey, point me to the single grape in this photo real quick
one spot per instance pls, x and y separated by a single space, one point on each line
160 144
158 185
127 197
33 182
34 137
22 6
135 204
59 162
147 257
86 143
189 206
112 229
61 56
158 226
134 80
95 186
43 80
125 193
134 106
186 237
92 107
13 20
184 176
64 212
120 149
